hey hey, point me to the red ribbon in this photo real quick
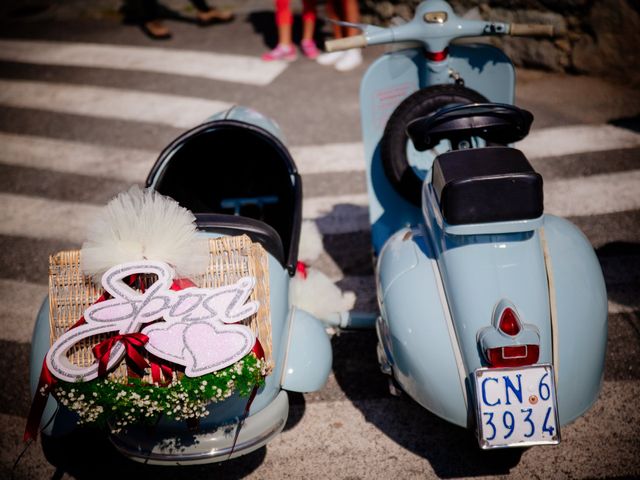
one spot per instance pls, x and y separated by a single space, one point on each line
131 341
301 268
160 370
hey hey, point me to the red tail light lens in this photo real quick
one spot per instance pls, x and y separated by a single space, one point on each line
513 356
509 322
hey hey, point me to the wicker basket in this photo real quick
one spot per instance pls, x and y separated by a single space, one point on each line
231 258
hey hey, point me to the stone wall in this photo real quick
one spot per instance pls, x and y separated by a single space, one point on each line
601 37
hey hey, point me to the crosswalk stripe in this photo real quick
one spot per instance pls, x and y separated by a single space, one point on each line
136 106
573 139
16 323
214 66
128 164
595 195
42 218
333 157
133 164
546 142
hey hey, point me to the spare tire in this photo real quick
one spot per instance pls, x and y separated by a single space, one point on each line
393 147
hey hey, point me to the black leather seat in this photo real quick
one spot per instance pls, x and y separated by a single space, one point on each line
484 185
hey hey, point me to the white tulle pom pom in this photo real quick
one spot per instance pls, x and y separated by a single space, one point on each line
144 225
310 247
318 295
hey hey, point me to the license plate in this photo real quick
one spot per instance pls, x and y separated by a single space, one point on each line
517 407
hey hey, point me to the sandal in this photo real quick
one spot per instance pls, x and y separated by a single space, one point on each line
156 30
213 16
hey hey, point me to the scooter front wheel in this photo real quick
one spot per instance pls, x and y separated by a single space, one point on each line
393 147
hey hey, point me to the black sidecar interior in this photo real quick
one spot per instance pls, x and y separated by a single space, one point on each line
494 122
481 185
236 178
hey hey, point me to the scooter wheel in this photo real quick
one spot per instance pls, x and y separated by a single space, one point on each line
393 147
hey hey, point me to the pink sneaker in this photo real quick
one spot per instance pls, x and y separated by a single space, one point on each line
309 49
281 52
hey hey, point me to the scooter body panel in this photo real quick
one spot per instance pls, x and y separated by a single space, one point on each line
391 79
581 305
414 328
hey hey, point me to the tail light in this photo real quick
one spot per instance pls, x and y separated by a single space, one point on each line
509 322
511 355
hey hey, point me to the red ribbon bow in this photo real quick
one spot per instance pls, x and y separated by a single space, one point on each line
131 341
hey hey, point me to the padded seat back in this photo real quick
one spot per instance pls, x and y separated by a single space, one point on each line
482 185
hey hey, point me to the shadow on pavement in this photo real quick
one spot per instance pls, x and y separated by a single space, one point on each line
630 123
452 451
88 455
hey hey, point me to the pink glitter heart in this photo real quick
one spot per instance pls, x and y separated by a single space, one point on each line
214 347
166 341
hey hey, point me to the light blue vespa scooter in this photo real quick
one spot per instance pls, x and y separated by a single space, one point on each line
493 315
236 175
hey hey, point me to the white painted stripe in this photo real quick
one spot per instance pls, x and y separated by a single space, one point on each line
130 165
338 214
134 164
20 304
173 110
45 219
595 195
209 65
573 139
546 142
334 157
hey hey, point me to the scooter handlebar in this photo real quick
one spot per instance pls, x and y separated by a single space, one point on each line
356 41
531 30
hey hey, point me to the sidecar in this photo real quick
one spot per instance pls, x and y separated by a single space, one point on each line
493 313
237 177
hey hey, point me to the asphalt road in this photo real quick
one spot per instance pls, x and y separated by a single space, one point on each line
76 130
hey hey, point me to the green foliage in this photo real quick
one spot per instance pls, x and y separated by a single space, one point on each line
103 401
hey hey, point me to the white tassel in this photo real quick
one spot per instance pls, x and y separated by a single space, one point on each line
310 247
318 295
144 225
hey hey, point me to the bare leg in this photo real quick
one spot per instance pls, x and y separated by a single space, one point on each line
351 15
284 34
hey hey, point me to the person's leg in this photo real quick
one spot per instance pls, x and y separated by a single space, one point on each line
207 15
308 28
284 20
351 14
333 11
146 14
353 57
